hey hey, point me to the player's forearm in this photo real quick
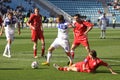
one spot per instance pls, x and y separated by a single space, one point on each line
29 24
111 70
86 32
41 28
84 68
71 26
89 29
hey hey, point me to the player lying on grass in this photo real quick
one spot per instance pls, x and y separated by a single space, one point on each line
89 65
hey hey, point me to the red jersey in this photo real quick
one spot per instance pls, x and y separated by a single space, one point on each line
90 64
80 28
36 21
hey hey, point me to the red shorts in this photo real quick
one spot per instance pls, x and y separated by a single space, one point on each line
35 35
78 65
81 40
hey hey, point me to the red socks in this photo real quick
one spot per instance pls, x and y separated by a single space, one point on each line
72 54
43 51
35 52
62 69
68 54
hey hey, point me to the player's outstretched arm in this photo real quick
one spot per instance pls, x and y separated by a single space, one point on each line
111 70
89 28
29 24
70 25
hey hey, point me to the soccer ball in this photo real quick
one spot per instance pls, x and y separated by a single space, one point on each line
34 65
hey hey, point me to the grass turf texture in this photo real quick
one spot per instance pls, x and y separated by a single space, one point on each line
19 66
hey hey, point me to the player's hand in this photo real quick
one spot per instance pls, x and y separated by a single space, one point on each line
85 33
70 25
114 73
31 27
42 31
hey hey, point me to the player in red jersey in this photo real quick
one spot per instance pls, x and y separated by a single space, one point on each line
35 24
81 29
89 65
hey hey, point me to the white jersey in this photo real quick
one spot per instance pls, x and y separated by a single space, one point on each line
62 31
62 37
104 22
9 25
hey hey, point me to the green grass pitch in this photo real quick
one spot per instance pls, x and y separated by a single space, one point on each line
19 66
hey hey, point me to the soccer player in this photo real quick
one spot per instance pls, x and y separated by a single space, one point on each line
89 65
35 24
61 40
80 29
9 26
114 22
103 24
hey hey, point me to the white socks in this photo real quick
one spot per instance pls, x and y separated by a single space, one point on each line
7 51
102 35
49 56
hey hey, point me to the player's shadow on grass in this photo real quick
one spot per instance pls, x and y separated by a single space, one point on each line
102 71
16 37
114 38
105 38
20 68
115 65
2 37
105 71
11 68
22 38
42 68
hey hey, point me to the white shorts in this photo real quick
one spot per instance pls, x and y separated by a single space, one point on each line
103 27
63 43
9 35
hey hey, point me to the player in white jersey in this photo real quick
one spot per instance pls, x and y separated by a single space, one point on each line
103 24
9 26
61 40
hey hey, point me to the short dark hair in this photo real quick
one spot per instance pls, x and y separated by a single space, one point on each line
10 13
104 14
61 18
93 53
36 8
78 15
